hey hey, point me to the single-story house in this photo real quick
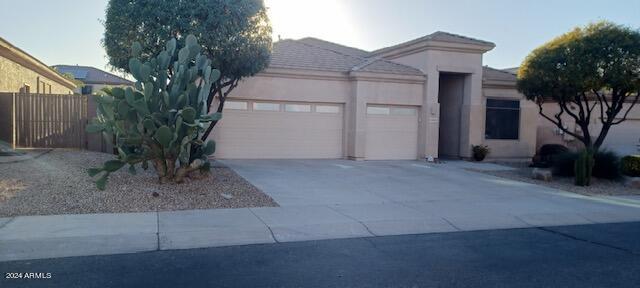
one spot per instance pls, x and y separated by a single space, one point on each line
21 72
428 97
93 79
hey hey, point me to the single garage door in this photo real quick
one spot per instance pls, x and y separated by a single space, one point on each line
279 130
392 132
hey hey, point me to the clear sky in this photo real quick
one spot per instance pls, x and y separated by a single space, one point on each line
69 31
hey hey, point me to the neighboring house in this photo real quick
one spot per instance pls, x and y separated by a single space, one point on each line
428 97
623 138
93 79
21 72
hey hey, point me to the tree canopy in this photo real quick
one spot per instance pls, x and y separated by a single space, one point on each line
235 35
597 66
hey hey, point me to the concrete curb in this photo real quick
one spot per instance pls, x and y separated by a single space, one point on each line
37 237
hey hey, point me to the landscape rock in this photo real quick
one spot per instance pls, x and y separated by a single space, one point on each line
632 182
542 174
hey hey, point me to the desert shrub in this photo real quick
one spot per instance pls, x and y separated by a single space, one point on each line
545 156
160 120
607 165
563 164
630 165
480 152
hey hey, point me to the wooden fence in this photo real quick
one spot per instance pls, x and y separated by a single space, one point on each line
44 120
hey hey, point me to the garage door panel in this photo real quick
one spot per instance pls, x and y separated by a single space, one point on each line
244 134
392 136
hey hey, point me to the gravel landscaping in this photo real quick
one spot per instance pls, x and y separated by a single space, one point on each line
57 183
597 187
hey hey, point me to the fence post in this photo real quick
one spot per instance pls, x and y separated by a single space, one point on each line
13 121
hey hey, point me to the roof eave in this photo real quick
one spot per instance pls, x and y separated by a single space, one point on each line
387 77
32 63
498 83
429 44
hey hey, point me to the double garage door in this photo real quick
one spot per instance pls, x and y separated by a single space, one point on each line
285 130
259 130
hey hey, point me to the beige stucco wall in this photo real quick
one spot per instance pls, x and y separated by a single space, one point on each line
291 85
434 62
14 76
368 88
525 145
354 90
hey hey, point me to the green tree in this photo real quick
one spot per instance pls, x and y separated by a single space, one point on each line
597 66
235 35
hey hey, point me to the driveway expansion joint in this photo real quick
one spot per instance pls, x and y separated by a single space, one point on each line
354 219
449 222
265 224
157 229
575 238
7 223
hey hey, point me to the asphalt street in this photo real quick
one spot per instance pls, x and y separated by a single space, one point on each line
602 255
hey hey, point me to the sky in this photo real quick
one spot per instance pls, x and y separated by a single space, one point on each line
70 31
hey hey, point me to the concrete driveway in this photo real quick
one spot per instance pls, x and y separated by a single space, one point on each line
403 197
320 200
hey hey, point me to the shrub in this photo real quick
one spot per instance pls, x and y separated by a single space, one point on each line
480 152
630 165
545 156
607 165
563 164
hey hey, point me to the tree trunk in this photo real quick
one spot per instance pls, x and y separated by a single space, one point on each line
183 171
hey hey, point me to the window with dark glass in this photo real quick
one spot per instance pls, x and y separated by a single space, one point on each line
502 119
87 89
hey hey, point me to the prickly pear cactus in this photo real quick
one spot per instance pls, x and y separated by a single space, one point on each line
584 168
159 120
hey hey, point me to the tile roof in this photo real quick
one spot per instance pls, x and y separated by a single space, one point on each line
91 75
438 36
455 38
513 70
335 47
489 73
316 54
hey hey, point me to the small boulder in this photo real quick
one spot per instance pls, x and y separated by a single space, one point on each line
542 174
632 182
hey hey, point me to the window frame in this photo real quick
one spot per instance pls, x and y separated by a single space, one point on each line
395 109
278 105
519 117
297 105
246 105
337 109
380 108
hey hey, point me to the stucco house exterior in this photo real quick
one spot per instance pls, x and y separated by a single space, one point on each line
21 72
93 79
623 138
428 97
